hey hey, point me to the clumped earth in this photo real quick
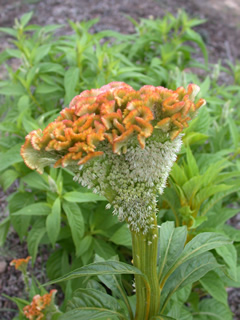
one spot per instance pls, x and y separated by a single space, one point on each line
221 33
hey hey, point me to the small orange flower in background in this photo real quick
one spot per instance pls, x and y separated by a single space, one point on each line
39 305
20 264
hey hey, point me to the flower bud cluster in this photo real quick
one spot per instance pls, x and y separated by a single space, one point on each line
131 181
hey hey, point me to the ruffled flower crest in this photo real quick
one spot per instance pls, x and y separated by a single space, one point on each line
118 141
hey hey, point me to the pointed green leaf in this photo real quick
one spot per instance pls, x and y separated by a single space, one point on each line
10 157
4 227
71 80
99 268
217 197
84 244
34 237
103 248
229 255
76 222
201 243
214 285
172 241
162 317
26 18
7 178
35 209
122 236
36 181
188 272
92 304
109 280
178 174
53 221
207 192
192 167
80 197
210 309
191 187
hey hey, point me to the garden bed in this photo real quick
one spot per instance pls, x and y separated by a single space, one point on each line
221 33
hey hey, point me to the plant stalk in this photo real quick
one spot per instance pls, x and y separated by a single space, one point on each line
145 248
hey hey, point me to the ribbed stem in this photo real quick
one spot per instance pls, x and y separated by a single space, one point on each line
145 258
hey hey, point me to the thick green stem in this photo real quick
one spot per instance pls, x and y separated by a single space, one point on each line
145 258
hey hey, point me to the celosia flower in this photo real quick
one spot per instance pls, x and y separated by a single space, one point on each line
20 264
118 141
40 306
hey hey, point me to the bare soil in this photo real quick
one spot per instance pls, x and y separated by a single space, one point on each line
221 33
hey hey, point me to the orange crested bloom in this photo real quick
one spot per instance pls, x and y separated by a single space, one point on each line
36 310
115 114
20 264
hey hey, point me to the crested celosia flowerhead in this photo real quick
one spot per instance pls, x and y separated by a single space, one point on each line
20 264
40 306
118 141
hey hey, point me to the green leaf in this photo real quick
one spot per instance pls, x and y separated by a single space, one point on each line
10 157
162 317
110 281
71 80
99 268
203 242
58 264
4 227
92 304
194 138
234 132
79 197
103 249
53 222
44 88
76 222
192 167
9 31
172 241
207 192
232 233
214 285
48 67
216 198
34 237
188 272
122 236
178 175
12 89
198 221
26 18
210 309
36 181
218 218
191 35
35 209
7 178
17 201
42 51
229 255
84 244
